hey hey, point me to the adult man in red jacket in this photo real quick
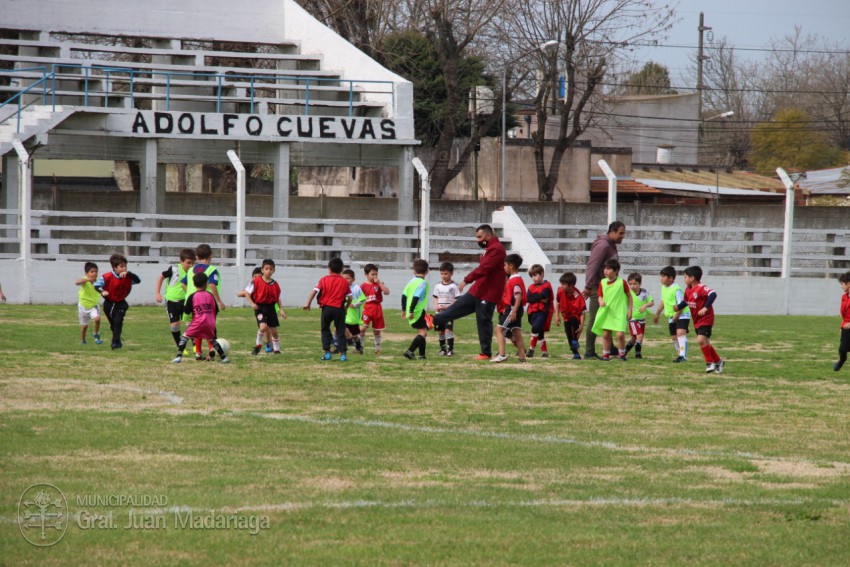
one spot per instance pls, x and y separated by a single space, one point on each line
488 282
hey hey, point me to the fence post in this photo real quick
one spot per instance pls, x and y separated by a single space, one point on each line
612 190
24 180
424 211
240 213
789 222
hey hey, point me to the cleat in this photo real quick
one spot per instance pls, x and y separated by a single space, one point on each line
224 360
529 353
409 355
837 366
710 367
719 367
576 356
327 356
544 354
84 342
499 358
605 358
276 352
199 356
359 350
679 359
342 357
256 350
211 355
429 321
268 348
177 359
450 353
482 356
443 353
97 339
638 355
622 358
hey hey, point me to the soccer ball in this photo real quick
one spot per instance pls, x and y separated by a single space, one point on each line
225 345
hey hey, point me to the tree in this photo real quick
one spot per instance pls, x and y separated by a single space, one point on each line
791 141
590 33
652 79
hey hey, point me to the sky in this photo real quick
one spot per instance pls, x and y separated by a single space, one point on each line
746 24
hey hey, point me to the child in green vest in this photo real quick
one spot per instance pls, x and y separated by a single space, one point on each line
88 306
354 313
641 302
678 321
615 310
414 300
175 292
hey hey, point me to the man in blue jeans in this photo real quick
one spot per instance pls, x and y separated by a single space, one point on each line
488 282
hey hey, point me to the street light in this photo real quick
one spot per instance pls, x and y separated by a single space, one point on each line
542 48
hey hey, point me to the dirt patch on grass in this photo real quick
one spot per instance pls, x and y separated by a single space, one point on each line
797 469
328 484
31 394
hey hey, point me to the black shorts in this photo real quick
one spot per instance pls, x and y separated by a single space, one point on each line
175 310
420 323
679 324
447 326
353 329
505 324
704 330
265 313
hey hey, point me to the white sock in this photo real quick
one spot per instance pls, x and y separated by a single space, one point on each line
683 345
260 337
276 345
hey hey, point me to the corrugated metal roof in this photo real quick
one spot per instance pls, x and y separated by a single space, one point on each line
708 189
824 182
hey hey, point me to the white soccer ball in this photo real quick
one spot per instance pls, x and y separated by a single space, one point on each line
225 345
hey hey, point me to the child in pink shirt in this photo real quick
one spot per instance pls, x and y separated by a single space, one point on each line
203 308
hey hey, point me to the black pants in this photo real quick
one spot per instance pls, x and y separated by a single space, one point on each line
115 312
844 345
571 329
335 316
465 305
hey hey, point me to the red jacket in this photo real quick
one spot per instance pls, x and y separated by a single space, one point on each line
489 276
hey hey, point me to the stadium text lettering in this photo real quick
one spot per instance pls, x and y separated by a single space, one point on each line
320 127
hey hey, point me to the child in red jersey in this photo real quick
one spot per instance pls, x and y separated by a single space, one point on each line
264 296
334 298
844 345
571 309
115 286
373 312
700 298
203 307
510 310
541 300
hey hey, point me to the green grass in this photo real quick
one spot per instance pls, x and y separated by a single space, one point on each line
444 461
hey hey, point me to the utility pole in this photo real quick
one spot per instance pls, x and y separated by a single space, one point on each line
700 58
473 107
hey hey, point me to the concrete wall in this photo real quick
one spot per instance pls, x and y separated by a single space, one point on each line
53 283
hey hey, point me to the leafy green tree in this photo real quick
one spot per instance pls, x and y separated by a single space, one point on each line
652 79
791 141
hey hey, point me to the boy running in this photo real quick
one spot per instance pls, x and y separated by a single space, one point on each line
115 287
88 305
672 295
641 302
175 292
354 313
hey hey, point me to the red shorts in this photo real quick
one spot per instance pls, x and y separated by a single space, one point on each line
637 327
373 314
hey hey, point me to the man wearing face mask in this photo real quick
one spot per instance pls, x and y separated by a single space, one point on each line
604 248
488 282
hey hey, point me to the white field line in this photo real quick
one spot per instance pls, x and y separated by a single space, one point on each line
545 439
483 504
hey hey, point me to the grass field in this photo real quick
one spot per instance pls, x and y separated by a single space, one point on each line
444 461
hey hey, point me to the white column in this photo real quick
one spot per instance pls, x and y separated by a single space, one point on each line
25 182
280 199
406 205
240 214
424 211
612 190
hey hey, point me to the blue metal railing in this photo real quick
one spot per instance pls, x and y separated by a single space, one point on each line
112 76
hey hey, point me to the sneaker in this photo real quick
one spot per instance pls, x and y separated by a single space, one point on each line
177 359
638 355
421 357
256 350
529 353
212 355
84 342
116 345
97 339
710 367
429 321
442 353
199 356
622 358
499 358
482 356
450 353
592 356
224 360
604 358
326 356
342 357
276 352
719 367
679 359
544 354
358 350
837 366
576 356
268 348
409 355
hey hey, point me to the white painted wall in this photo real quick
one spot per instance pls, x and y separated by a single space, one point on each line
53 283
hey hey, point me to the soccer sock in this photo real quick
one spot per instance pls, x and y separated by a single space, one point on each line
716 357
707 353
574 346
451 342
543 346
217 347
629 345
621 351
181 345
422 346
533 342
176 335
683 345
377 342
260 338
276 345
606 353
211 345
442 339
638 347
417 343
